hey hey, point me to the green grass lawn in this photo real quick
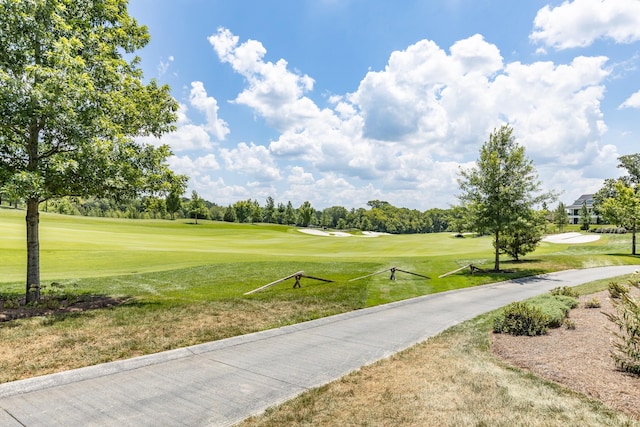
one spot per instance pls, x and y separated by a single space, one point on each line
181 261
182 284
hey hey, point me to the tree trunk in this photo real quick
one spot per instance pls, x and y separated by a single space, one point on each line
33 251
496 264
633 241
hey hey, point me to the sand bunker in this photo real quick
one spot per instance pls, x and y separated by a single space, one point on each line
571 238
374 234
316 232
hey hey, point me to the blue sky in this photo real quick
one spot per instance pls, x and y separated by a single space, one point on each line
339 102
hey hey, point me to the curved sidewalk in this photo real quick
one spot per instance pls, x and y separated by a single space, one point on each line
222 382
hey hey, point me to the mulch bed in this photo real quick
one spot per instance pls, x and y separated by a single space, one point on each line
577 358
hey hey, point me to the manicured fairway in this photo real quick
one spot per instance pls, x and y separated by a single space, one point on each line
181 284
178 259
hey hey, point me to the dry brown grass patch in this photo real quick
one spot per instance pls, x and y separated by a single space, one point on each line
450 380
53 343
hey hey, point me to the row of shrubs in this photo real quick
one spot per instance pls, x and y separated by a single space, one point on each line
609 230
536 315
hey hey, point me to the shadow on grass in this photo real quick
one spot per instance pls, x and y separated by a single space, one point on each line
13 208
58 307
511 270
521 261
626 255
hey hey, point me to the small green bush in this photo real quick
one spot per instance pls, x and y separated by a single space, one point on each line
592 303
569 324
564 290
521 318
612 230
555 307
616 290
535 316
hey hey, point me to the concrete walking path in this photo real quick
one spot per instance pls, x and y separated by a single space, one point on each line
223 382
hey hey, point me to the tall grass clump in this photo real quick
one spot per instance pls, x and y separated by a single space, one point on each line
564 290
626 317
617 290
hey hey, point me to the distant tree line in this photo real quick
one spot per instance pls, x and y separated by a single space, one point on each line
380 216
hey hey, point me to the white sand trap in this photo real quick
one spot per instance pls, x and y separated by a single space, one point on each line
316 232
570 238
374 234
339 234
324 233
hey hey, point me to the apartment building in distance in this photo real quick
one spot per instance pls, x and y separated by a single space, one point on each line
574 209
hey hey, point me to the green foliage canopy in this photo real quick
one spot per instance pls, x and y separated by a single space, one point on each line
71 104
197 207
618 201
306 213
560 217
522 236
623 209
502 188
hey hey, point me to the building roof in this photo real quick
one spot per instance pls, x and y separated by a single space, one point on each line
588 198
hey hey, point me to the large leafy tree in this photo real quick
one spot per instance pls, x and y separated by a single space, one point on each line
459 219
230 214
618 201
585 217
197 207
269 211
173 203
256 212
72 100
306 213
440 219
522 236
243 210
560 216
623 209
502 188
631 162
290 214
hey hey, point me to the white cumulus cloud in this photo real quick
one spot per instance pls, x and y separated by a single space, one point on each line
254 160
186 137
579 23
209 106
274 91
632 102
190 136
403 133
194 167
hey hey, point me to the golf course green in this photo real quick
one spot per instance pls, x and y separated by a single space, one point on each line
147 286
211 260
